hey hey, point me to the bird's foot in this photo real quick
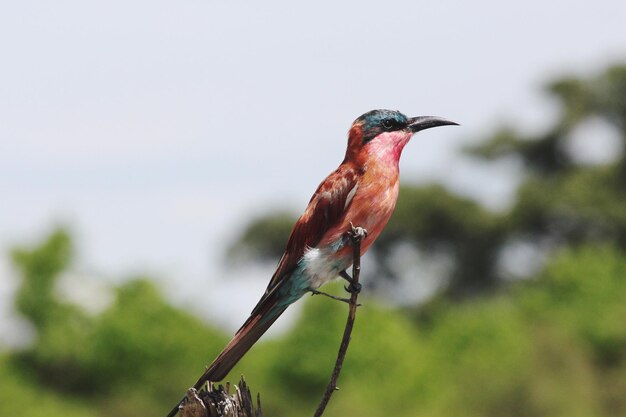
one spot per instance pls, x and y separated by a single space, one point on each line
357 232
316 292
353 287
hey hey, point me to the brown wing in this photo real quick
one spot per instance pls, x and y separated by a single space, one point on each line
325 210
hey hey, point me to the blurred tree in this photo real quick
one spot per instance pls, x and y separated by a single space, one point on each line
562 200
435 221
40 269
263 238
131 359
554 346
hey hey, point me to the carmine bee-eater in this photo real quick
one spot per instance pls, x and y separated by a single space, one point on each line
362 192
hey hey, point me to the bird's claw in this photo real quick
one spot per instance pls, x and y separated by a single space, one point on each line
357 232
353 288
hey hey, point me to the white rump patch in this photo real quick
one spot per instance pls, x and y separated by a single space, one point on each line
321 266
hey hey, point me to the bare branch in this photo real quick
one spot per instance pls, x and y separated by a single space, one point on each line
356 235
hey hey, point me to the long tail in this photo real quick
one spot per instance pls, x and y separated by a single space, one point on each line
262 317
245 337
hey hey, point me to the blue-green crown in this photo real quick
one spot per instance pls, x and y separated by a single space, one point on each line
376 122
375 117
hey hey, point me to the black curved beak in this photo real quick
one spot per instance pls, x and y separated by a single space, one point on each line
426 122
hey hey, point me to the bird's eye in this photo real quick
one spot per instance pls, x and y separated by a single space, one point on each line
388 123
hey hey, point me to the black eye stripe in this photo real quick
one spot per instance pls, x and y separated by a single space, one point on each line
388 123
375 122
377 117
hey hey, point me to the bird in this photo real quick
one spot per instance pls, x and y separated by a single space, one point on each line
361 192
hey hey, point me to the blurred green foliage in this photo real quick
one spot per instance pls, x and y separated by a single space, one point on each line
138 349
549 346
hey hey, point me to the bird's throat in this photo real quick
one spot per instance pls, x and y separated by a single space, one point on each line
387 147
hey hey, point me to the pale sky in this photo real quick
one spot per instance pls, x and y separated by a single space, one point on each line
155 129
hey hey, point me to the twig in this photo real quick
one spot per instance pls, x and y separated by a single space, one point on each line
356 235
343 300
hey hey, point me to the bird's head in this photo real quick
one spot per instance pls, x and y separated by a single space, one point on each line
385 132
